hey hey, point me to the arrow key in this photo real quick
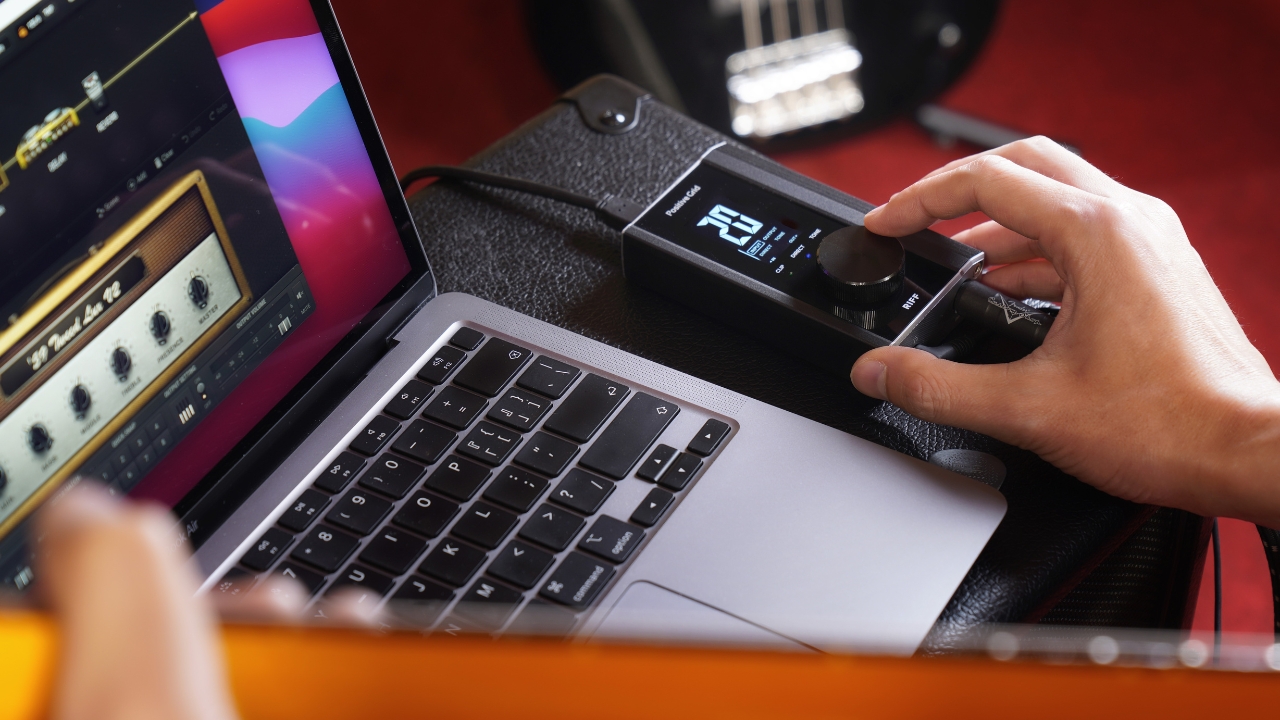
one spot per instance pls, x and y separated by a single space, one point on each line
677 476
652 508
709 437
521 564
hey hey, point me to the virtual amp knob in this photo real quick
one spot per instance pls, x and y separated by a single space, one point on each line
861 268
121 362
39 439
198 291
80 400
160 326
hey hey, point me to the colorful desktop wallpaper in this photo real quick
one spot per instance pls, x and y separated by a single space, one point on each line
292 104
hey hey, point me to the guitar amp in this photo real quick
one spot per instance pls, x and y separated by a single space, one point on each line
108 336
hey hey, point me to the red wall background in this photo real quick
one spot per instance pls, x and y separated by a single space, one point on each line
1177 99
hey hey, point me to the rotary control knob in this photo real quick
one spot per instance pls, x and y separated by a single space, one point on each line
39 439
160 327
198 291
80 400
860 268
121 362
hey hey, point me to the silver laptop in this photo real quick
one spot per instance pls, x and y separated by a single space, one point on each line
216 299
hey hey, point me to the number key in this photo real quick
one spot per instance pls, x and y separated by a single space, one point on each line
359 512
325 548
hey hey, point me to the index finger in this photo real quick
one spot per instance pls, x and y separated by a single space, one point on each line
1041 209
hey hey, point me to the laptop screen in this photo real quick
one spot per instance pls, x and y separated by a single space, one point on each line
189 223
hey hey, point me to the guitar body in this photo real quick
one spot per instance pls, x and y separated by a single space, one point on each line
687 53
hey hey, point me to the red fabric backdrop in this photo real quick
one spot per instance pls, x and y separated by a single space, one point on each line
1177 99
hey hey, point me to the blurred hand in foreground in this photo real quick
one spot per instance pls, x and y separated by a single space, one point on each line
1146 386
136 641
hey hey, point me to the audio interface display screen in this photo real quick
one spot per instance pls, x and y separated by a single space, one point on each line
189 222
742 226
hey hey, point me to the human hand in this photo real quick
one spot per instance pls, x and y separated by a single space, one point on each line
135 640
1146 386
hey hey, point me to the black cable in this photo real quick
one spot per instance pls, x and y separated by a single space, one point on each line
1217 592
1271 546
614 211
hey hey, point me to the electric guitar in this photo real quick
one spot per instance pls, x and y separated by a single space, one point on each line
770 72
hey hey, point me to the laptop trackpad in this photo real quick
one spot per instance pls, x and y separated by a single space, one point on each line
646 611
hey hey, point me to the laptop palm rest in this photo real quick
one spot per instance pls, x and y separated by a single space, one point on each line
652 612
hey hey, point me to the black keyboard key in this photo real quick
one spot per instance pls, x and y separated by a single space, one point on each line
519 409
677 476
549 377
392 476
517 489
405 404
455 407
577 581
372 438
236 582
424 441
611 539
488 604
489 443
542 619
547 454
521 564
709 437
363 585
652 507
467 338
582 491
393 550
452 562
458 477
426 514
269 547
552 527
584 411
325 548
492 367
335 478
631 433
419 601
303 510
358 511
309 579
658 460
441 365
485 525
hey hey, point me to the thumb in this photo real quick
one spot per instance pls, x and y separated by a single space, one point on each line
974 397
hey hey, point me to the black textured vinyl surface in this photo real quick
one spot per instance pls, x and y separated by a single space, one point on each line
560 265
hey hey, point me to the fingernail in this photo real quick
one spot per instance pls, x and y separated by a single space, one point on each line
868 377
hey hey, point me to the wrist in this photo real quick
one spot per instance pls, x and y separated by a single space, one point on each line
1243 473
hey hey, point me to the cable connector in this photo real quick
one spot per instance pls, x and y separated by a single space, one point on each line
618 212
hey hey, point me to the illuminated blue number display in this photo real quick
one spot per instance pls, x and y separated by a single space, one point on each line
732 222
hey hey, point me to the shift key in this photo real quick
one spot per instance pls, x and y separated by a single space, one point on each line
620 446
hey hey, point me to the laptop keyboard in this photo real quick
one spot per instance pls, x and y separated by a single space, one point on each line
482 482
